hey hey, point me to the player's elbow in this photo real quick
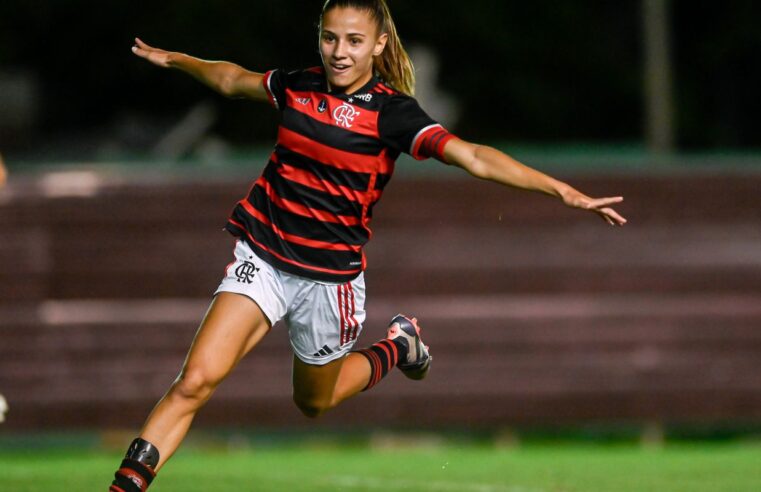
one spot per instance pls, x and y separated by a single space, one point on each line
478 163
227 86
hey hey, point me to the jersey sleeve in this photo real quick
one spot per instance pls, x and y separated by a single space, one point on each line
405 127
275 83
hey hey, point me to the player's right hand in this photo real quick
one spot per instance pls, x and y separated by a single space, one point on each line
154 55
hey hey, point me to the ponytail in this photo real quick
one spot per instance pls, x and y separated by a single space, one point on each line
393 65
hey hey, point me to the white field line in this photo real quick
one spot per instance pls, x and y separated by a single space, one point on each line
507 307
404 484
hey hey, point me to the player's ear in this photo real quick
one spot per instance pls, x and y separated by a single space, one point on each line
380 44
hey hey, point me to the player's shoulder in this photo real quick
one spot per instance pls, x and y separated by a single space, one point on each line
384 97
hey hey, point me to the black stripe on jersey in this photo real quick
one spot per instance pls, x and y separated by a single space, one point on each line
382 180
332 136
291 268
310 197
325 258
349 179
305 227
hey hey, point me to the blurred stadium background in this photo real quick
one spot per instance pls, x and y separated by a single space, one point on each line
541 319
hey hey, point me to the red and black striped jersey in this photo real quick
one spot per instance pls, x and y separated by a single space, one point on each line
309 212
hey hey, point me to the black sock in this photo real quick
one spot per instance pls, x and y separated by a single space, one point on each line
132 476
136 472
383 356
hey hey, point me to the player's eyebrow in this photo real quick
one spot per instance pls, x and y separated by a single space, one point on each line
359 34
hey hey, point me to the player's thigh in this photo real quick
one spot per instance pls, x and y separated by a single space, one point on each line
313 383
233 325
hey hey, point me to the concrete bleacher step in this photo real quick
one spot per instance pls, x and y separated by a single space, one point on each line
534 313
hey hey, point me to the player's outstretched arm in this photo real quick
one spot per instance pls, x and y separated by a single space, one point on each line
491 164
227 78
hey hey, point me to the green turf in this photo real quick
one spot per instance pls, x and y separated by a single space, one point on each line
532 468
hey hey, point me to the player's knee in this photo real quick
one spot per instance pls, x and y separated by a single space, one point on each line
310 407
194 384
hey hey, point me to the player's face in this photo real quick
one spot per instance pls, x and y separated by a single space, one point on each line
348 42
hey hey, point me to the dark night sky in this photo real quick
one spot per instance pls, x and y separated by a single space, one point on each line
533 71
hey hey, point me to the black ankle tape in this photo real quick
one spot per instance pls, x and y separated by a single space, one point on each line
143 452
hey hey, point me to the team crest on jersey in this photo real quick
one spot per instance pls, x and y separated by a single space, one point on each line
303 100
323 106
344 115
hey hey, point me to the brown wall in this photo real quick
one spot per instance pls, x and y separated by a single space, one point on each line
534 313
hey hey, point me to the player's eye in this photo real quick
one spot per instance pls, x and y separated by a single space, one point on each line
328 38
355 41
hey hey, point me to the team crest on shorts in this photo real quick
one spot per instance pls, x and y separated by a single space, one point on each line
246 272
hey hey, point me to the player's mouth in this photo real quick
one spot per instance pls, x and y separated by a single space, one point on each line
339 68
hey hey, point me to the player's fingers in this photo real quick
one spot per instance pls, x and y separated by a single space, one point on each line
614 216
604 202
142 53
139 42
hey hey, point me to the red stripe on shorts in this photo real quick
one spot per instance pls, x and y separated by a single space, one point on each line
341 315
355 323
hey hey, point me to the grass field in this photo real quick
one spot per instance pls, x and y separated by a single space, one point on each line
709 467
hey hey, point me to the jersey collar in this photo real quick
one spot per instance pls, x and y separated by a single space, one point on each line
365 88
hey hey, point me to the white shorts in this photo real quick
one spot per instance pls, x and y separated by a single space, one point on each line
323 319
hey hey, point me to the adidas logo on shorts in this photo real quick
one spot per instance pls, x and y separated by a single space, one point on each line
325 350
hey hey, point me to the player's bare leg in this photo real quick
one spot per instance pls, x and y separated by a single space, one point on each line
317 389
233 325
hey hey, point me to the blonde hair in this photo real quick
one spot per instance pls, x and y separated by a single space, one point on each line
393 65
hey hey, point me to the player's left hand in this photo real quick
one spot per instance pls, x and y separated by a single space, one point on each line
601 206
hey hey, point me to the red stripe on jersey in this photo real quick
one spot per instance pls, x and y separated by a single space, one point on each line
266 82
288 260
340 159
291 238
385 89
358 120
315 69
430 143
309 179
303 210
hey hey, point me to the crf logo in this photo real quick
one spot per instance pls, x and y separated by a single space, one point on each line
246 272
344 115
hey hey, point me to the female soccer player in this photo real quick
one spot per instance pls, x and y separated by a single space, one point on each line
301 228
